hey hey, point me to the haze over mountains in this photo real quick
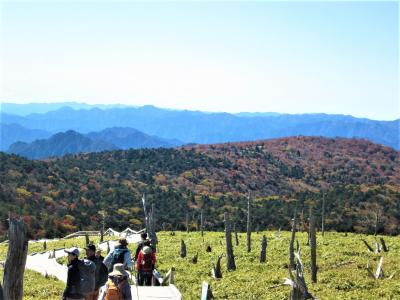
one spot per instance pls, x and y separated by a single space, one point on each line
147 126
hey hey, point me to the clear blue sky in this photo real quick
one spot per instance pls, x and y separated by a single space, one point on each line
288 57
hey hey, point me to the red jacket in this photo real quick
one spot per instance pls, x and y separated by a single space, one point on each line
140 263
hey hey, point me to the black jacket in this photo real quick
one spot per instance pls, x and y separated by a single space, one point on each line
72 290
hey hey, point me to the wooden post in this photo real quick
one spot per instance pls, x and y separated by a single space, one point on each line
206 293
201 223
263 254
195 258
291 245
87 239
153 234
146 217
230 258
101 235
1 293
313 245
323 215
248 239
236 235
44 246
216 270
187 222
14 267
183 249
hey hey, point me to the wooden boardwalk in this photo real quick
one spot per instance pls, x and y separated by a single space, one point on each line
41 263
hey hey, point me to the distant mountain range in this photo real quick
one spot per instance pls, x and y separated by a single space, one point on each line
207 128
72 142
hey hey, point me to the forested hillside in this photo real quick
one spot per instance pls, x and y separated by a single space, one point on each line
360 181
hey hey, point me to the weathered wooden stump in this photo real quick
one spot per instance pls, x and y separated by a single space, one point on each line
208 249
263 254
183 249
230 258
313 247
248 236
14 267
216 269
194 258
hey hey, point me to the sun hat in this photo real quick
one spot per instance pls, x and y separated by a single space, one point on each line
118 270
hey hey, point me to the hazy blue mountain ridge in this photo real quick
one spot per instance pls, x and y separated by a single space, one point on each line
199 127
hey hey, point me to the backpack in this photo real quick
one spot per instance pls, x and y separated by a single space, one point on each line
87 270
113 292
117 257
147 263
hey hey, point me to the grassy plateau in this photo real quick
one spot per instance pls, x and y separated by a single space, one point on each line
341 259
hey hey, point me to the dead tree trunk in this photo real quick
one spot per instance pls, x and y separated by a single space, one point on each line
183 249
201 223
44 246
216 270
248 239
101 235
14 267
153 235
187 222
323 215
313 245
236 235
146 217
1 293
230 258
291 245
87 239
263 254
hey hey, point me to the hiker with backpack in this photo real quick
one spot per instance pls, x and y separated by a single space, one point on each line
100 275
117 286
120 254
143 242
145 264
73 289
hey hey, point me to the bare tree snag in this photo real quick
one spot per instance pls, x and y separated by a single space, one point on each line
291 244
208 249
14 267
230 258
183 249
263 254
216 270
368 246
195 258
44 246
206 293
236 235
153 235
1 293
101 235
87 239
297 282
187 222
313 246
384 247
201 223
248 237
323 215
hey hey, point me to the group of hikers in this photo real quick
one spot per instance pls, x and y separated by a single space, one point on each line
87 277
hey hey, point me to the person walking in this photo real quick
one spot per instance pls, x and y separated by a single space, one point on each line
101 273
145 264
117 286
143 242
120 254
73 288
